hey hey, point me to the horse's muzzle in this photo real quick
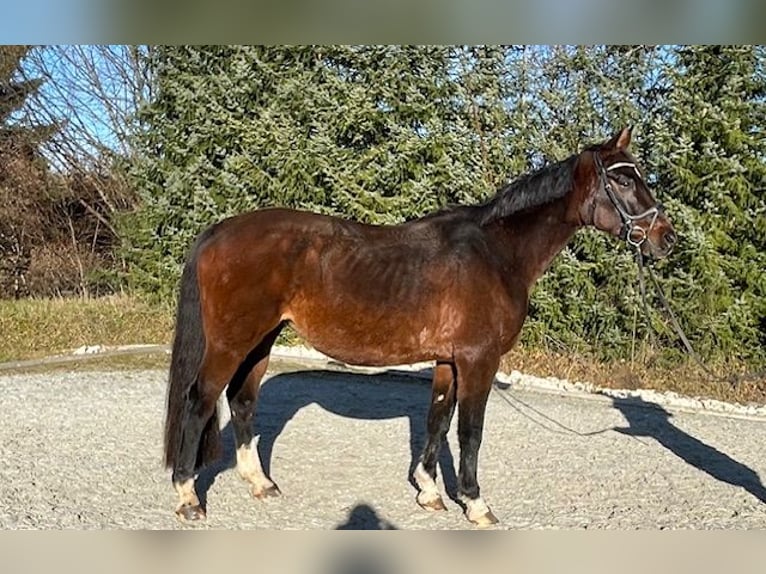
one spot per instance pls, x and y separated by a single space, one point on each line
660 243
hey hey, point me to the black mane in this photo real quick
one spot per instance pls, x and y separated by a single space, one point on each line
531 190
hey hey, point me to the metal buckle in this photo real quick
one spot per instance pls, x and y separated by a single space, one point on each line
642 236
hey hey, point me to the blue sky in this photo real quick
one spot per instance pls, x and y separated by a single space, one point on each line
46 21
69 95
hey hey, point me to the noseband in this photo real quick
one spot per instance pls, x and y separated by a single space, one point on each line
634 235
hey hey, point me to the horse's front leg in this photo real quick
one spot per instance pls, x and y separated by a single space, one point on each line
473 386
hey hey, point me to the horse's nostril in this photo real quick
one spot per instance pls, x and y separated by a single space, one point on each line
670 238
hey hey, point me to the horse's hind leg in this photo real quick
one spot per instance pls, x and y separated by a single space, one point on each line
243 396
439 417
201 435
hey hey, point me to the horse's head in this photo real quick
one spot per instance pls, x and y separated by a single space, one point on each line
618 200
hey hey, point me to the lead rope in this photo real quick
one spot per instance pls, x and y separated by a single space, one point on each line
642 288
733 379
563 429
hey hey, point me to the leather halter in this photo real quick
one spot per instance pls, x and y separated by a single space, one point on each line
633 234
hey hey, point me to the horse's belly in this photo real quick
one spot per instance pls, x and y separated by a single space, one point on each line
356 341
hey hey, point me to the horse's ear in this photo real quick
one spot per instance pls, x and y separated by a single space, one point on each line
620 141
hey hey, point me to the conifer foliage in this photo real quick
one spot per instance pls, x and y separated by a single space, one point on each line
387 133
711 159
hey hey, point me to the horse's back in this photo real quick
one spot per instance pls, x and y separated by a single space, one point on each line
262 222
298 237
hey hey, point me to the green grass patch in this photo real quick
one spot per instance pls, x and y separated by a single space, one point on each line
33 328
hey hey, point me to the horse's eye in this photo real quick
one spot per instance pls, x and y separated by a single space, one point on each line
623 181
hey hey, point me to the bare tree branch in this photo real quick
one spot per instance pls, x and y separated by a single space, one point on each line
93 93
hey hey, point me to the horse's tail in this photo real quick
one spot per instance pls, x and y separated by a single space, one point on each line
186 360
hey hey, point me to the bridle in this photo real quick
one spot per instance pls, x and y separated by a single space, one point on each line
634 235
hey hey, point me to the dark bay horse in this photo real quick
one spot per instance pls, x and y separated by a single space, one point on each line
452 288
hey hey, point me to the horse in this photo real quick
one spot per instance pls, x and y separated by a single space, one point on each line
451 288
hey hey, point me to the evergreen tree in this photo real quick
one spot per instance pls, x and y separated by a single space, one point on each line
387 133
710 149
13 93
23 176
587 300
364 132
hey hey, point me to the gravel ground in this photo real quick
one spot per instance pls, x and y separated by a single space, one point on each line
83 450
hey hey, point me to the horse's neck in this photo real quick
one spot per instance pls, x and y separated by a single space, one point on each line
532 239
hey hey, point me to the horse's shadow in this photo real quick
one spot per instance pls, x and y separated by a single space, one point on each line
649 419
358 396
364 517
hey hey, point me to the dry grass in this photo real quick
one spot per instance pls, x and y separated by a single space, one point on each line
94 363
32 328
686 378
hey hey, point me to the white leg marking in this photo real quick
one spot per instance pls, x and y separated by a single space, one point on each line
477 511
429 496
249 468
248 464
423 479
186 493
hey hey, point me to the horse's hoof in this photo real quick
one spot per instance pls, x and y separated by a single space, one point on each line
484 520
264 493
431 502
190 513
